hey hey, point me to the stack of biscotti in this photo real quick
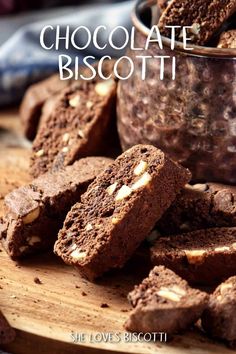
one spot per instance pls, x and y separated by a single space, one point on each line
205 17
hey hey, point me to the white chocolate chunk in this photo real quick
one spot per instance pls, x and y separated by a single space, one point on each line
77 254
81 133
39 153
74 101
222 249
105 87
89 104
195 256
224 287
140 168
111 189
144 180
32 216
65 149
66 137
88 227
123 193
173 294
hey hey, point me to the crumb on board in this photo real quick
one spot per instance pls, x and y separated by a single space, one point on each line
37 280
104 305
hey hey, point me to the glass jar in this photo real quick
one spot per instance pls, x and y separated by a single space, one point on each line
191 118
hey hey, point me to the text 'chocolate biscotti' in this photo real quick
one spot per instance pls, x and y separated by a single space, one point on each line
219 318
35 212
200 206
119 210
204 16
76 127
204 257
164 302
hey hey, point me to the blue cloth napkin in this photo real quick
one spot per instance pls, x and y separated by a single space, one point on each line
23 61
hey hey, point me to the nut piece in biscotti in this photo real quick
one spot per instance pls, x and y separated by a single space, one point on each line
219 318
204 257
77 126
205 17
227 39
200 206
35 212
7 333
119 210
164 302
34 99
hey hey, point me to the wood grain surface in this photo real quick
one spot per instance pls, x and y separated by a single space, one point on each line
46 300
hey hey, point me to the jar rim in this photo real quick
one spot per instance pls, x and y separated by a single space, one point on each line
223 53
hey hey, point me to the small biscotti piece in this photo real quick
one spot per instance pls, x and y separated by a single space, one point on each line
219 318
77 126
200 206
34 99
164 302
7 333
205 17
202 257
35 212
227 39
119 210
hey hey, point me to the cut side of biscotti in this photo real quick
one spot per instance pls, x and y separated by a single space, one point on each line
205 16
119 210
200 206
219 318
35 212
76 127
204 257
164 302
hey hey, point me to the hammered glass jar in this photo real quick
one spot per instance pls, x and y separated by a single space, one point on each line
193 118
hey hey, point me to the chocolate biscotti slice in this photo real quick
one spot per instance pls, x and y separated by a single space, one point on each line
219 318
205 17
119 210
200 206
228 40
203 257
34 99
164 302
77 126
35 212
7 333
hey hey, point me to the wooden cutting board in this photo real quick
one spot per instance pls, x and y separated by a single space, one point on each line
46 301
